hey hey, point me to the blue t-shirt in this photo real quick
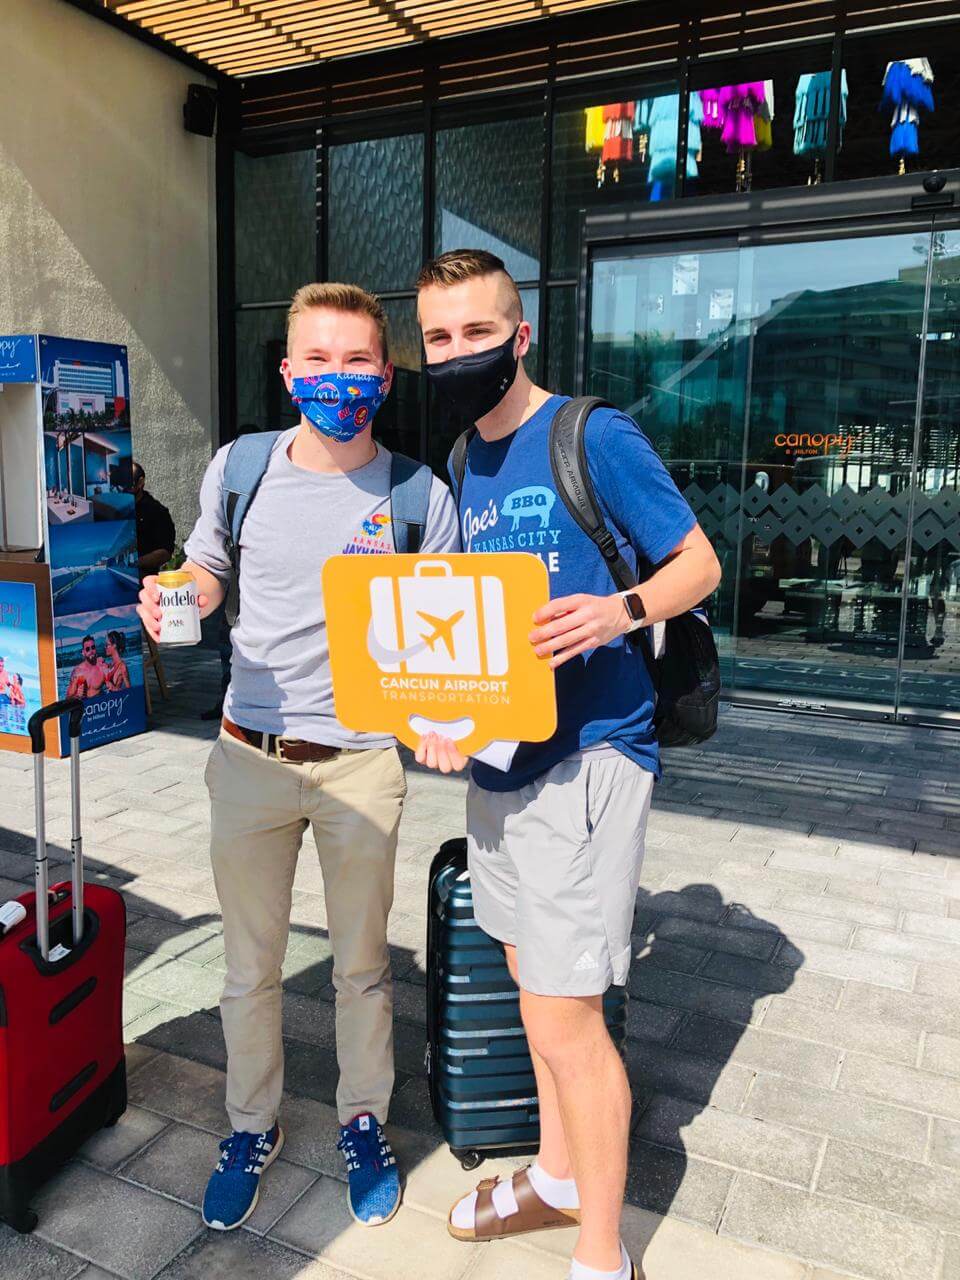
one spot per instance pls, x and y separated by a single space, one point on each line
509 503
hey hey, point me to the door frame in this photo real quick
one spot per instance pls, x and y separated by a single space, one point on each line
923 202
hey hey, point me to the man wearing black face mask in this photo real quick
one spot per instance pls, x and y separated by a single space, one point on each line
555 839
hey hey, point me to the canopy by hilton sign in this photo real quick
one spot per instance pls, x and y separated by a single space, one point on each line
808 446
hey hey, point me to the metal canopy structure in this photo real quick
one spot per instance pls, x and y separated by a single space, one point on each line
244 37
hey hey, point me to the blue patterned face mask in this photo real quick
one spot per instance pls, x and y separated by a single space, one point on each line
339 405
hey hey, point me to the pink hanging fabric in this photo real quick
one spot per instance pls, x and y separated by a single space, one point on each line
713 114
740 104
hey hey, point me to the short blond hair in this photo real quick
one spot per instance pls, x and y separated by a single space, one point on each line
459 265
339 297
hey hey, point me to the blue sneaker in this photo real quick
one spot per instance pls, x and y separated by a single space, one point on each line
373 1195
234 1187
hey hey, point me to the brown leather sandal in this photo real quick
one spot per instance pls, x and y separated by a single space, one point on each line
533 1214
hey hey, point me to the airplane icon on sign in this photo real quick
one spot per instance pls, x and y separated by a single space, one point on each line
443 630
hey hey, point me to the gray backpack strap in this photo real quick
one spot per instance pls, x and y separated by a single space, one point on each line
410 486
246 464
458 460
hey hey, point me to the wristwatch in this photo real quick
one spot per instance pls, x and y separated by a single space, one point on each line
635 609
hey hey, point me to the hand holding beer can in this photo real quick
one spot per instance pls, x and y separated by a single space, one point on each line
180 613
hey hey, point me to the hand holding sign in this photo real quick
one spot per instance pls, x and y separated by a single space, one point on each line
440 645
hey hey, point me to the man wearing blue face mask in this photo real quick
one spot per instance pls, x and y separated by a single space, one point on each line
283 761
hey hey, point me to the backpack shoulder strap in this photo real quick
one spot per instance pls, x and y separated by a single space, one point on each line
245 466
410 485
571 474
458 460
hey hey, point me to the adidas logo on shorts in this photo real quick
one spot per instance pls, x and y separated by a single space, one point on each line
586 961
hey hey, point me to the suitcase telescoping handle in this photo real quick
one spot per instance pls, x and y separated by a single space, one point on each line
74 708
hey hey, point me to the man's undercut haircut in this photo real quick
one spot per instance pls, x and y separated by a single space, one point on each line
460 265
349 298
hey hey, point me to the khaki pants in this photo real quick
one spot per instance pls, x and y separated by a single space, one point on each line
260 808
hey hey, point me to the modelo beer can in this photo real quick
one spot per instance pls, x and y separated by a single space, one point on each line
180 613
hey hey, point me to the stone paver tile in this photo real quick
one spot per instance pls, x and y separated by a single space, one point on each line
908 1086
757 944
169 903
915 1191
759 1049
883 942
847 1030
925 1012
757 1146
137 1055
674 957
195 1035
756 889
320 1225
858 1238
311 1132
824 1111
136 1006
112 1223
945 1143
843 910
648 1021
237 1255
510 1261
675 1250
687 1075
819 989
906 881
96 1273
794 925
938 980
927 926
906 897
182 1090
194 942
180 983
838 962
690 905
951 1259
833 866
29 1258
941 1054
109 1148
671 1182
181 1161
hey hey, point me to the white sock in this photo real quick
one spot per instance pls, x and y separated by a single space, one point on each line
558 1193
579 1272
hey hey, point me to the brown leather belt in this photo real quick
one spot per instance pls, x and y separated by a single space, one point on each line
289 750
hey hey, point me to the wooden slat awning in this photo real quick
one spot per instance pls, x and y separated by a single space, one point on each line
243 37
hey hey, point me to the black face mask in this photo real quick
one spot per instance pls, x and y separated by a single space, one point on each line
475 384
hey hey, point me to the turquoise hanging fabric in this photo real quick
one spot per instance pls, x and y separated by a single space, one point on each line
811 117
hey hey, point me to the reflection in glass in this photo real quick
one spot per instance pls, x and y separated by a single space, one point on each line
262 398
397 425
276 214
376 212
488 191
780 383
608 154
562 346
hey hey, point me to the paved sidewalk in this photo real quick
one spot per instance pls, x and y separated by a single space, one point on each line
795 1023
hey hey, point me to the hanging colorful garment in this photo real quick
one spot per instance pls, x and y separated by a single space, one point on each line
763 124
811 116
594 128
618 132
740 104
713 113
907 89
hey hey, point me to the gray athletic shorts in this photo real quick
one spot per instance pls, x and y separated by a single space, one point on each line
555 869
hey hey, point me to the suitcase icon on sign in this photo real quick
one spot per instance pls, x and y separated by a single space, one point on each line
436 623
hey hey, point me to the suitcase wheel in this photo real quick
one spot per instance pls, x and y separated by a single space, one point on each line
24 1221
469 1160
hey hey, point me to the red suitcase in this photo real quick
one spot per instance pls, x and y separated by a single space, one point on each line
62 1067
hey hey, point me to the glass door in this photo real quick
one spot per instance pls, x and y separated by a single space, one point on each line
780 384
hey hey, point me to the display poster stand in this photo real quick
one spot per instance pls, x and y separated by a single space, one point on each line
68 541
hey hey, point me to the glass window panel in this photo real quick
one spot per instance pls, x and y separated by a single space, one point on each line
262 398
489 180
562 341
764 133
375 211
630 157
445 424
397 425
880 129
275 202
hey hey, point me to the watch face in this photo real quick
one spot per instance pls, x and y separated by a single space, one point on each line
634 606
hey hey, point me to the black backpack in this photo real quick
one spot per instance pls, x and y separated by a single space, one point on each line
685 670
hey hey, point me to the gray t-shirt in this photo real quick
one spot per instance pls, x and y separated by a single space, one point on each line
281 679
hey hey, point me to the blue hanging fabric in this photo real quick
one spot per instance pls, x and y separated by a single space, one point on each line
906 92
